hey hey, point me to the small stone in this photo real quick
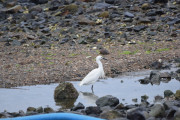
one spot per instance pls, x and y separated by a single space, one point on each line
146 6
64 40
82 41
48 110
16 43
139 28
29 109
128 14
144 81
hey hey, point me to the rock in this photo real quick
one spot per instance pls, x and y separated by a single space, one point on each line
64 40
82 41
45 30
36 8
157 110
177 115
21 113
78 106
93 110
72 8
14 9
177 60
16 43
103 51
170 113
54 5
104 14
159 1
65 91
158 98
82 20
178 71
112 114
139 28
3 15
39 1
30 109
168 93
39 110
144 98
177 94
48 110
155 77
107 100
128 14
144 20
146 6
5 115
101 6
135 115
165 75
110 1
169 104
151 13
144 81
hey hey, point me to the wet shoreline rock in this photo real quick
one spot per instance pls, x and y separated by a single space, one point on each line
65 91
161 109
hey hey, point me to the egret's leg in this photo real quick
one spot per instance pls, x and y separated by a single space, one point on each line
92 89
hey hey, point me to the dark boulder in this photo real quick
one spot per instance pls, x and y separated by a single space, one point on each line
107 100
93 110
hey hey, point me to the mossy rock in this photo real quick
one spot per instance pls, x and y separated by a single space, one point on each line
177 95
104 14
65 91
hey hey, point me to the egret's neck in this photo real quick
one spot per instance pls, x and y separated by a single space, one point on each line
99 64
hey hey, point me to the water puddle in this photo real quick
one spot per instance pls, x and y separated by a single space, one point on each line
125 87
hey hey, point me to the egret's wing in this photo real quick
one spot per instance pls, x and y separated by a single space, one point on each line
102 74
91 77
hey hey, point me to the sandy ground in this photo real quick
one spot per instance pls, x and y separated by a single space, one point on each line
25 65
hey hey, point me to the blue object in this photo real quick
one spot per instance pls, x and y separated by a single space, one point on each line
54 116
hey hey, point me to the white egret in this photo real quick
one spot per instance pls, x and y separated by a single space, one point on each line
95 74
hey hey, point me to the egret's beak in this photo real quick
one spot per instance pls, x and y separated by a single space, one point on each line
104 58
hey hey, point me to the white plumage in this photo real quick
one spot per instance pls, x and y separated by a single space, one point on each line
95 74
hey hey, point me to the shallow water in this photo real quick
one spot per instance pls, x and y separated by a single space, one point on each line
125 87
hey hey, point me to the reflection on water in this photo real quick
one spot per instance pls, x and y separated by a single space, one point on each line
65 104
126 87
90 98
